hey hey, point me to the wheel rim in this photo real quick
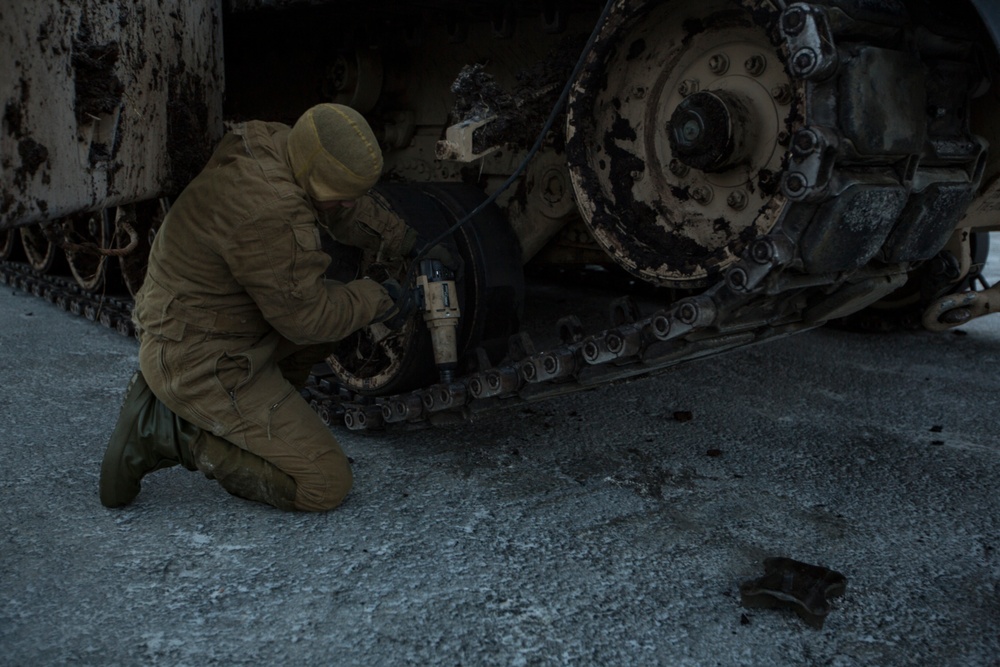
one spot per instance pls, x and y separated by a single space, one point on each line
10 246
675 137
42 255
88 268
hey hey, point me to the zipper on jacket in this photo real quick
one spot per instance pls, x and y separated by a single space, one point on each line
270 411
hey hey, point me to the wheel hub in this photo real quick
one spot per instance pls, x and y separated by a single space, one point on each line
711 131
675 134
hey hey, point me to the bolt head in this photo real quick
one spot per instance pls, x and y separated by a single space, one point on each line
687 313
762 251
702 194
678 168
804 62
737 278
782 93
793 21
737 200
688 87
755 65
691 130
795 183
718 63
805 142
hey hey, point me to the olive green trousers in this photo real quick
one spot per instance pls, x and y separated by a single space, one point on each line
260 439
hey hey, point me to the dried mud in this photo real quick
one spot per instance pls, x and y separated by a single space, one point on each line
98 88
520 113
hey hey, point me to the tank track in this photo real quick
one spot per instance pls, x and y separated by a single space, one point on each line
113 312
636 347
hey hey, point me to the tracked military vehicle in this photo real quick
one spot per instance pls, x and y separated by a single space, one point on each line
715 173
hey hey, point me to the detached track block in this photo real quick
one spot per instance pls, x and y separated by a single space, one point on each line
799 586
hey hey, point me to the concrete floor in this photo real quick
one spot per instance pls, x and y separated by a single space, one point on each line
588 530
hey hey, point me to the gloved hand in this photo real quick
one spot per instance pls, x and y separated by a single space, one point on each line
448 256
404 302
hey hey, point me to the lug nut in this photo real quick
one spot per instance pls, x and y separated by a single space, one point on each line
718 63
737 200
782 93
688 87
678 168
702 194
784 138
755 65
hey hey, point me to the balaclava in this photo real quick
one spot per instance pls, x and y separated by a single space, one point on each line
333 153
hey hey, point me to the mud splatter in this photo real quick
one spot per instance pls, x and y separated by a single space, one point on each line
187 126
519 113
98 89
33 155
12 119
636 49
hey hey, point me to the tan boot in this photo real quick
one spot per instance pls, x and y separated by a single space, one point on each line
147 437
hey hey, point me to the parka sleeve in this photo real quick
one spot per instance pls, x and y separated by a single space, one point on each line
370 225
278 259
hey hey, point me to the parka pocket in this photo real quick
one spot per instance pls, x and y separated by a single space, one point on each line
184 385
308 259
307 237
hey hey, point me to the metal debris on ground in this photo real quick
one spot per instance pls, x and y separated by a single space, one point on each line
796 585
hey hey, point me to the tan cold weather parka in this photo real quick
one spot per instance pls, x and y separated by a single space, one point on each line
241 253
234 291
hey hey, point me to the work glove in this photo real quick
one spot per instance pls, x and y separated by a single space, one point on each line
449 257
404 302
447 254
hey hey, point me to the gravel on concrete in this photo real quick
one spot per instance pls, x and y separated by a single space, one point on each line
595 529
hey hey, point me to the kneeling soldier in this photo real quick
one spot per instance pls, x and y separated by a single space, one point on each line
235 311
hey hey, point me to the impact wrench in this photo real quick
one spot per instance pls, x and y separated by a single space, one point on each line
438 300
